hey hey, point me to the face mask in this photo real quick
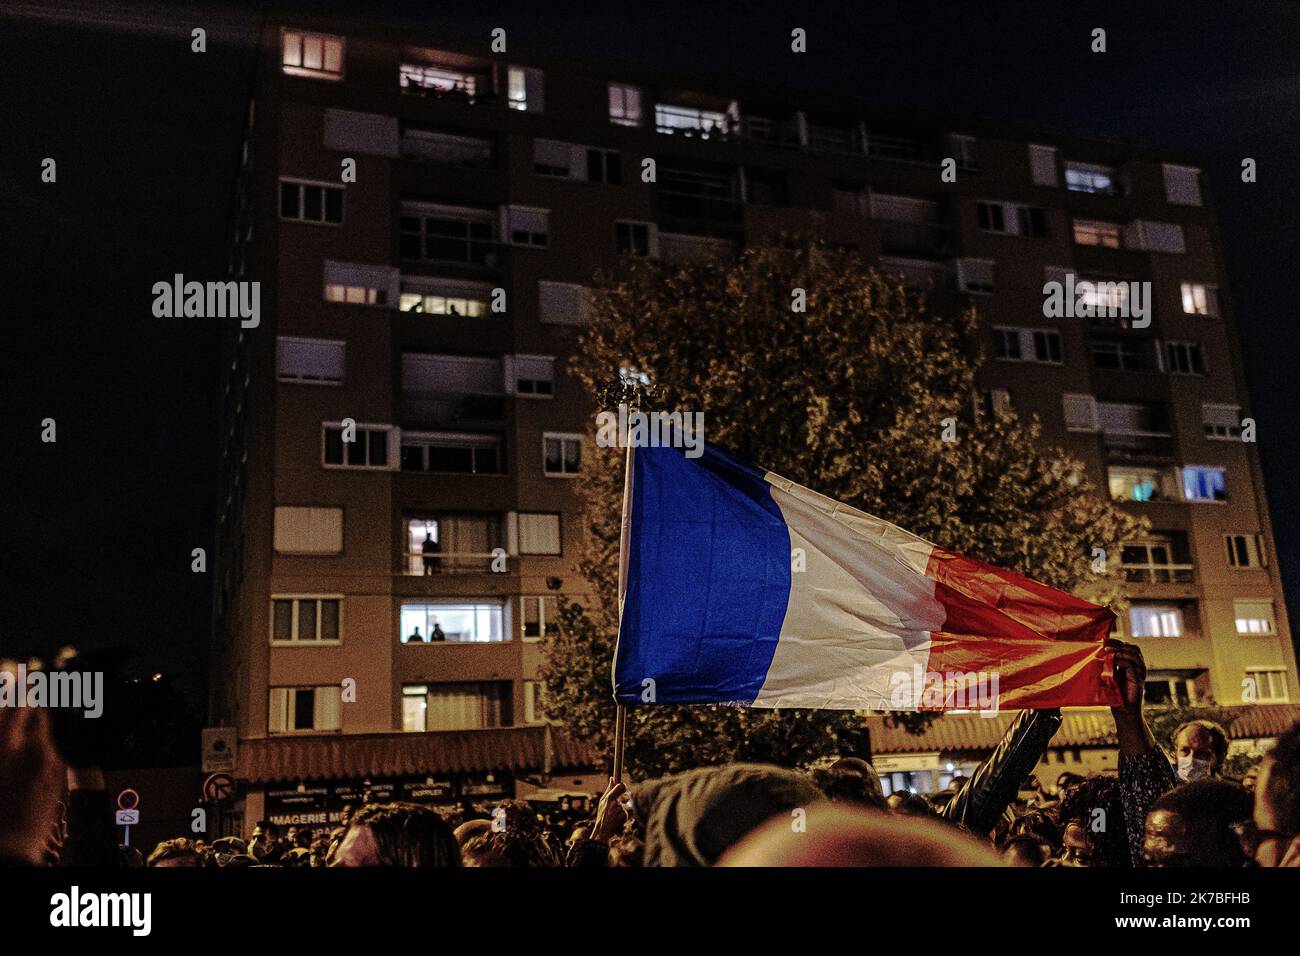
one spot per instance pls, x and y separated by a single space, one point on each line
1193 768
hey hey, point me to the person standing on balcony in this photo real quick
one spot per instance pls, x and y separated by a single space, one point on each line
432 564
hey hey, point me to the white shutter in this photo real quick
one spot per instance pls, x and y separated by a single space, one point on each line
975 275
325 530
371 133
291 530
1223 416
1155 236
1080 412
563 303
450 373
278 710
1182 185
317 361
1120 419
524 219
903 208
553 153
539 534
325 708
1042 165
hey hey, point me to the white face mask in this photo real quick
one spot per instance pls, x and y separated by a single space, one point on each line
1193 768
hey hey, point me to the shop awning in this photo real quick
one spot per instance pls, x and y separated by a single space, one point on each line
351 756
1092 727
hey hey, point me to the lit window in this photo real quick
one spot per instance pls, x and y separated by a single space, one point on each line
1200 299
1135 484
1152 621
1087 178
1093 232
1254 617
463 623
624 104
317 55
670 118
1202 483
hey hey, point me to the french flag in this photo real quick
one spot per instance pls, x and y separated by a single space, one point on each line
739 586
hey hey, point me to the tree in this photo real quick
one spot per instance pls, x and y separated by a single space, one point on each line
852 398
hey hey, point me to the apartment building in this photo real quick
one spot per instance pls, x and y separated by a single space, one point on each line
403 446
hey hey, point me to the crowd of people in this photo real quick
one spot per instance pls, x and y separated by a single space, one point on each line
1158 810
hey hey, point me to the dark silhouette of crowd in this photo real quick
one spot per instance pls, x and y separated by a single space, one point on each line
1160 809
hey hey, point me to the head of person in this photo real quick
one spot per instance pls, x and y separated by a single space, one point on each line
179 852
1200 747
470 829
1272 836
849 785
397 834
627 850
692 818
841 834
264 838
1249 777
908 804
1093 830
1039 825
1192 825
1027 850
1065 781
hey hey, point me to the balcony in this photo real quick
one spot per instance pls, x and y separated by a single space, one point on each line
418 564
1138 444
678 247
453 408
1153 573
925 240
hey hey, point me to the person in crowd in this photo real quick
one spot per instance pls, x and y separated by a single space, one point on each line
514 838
429 550
1064 781
1144 769
397 834
1027 850
908 804
1192 825
1094 832
1200 747
841 784
839 834
264 844
178 852
1249 777
692 818
1272 835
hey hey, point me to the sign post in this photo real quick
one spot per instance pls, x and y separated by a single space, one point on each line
128 812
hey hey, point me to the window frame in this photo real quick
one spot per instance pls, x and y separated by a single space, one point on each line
1238 617
318 184
306 72
393 442
561 437
295 600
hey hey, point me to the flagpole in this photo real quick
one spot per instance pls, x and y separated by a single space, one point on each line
620 708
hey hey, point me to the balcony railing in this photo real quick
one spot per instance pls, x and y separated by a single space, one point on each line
419 564
435 407
1138 444
1159 573
923 239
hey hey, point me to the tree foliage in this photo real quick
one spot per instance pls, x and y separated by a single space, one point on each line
851 398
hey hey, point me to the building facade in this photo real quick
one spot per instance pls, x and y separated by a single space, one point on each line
403 446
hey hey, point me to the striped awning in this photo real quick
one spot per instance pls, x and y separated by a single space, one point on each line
1090 727
353 756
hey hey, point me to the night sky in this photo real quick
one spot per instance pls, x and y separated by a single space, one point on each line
99 527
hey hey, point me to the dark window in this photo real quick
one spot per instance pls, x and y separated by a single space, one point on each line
289 200
333 446
304 708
